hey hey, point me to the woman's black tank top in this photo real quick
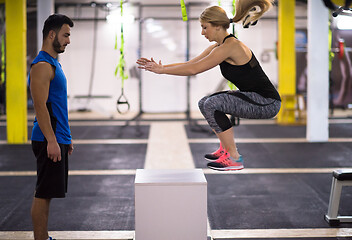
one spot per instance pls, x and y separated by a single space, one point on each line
249 77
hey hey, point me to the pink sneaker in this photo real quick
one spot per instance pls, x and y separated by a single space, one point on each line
226 163
212 157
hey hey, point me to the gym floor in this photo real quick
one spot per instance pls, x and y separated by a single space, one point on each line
283 192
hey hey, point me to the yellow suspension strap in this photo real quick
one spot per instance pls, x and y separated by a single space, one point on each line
230 84
3 64
121 69
234 10
183 10
3 59
331 53
331 58
2 76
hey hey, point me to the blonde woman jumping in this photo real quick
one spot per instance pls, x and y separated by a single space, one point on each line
256 98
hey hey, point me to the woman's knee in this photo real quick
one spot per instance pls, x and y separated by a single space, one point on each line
201 103
212 104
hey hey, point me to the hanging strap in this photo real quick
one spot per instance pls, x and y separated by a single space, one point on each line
230 84
234 7
331 53
184 11
2 76
3 59
121 67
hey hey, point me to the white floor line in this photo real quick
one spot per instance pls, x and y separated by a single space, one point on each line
266 140
338 121
274 170
72 235
205 170
282 233
110 141
168 147
216 234
4 142
73 172
97 141
175 135
17 174
105 123
201 121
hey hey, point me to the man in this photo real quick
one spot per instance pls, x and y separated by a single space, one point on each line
51 135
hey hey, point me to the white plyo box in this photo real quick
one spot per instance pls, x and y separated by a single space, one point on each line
170 204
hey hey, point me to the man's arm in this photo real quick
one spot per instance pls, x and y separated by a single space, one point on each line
41 74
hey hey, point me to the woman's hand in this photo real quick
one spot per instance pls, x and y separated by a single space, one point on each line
142 62
150 65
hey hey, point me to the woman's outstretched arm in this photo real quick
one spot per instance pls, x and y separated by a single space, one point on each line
210 58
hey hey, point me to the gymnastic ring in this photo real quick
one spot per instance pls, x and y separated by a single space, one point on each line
122 100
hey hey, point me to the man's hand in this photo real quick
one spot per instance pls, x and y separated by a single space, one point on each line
54 151
70 148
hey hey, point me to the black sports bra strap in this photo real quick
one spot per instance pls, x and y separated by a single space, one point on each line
230 35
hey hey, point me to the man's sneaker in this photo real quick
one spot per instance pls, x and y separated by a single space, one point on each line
226 163
50 238
212 157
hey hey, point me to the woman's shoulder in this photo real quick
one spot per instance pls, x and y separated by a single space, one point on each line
214 45
239 52
236 46
234 43
211 47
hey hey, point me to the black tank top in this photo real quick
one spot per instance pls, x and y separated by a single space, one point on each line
249 77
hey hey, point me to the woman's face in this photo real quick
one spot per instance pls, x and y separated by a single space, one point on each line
208 30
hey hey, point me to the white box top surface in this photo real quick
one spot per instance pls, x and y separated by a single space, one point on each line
170 176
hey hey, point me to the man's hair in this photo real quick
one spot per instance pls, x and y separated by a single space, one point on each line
55 22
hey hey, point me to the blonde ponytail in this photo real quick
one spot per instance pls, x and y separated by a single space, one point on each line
216 16
249 11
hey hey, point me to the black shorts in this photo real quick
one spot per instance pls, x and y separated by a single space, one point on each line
51 176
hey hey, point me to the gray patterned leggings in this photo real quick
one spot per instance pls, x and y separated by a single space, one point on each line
248 105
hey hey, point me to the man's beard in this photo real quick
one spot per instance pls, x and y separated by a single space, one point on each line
57 46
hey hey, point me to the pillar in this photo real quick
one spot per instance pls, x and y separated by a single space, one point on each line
318 72
287 61
44 9
16 84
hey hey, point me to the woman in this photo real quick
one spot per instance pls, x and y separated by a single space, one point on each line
256 98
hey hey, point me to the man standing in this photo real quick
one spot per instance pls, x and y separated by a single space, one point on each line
51 135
